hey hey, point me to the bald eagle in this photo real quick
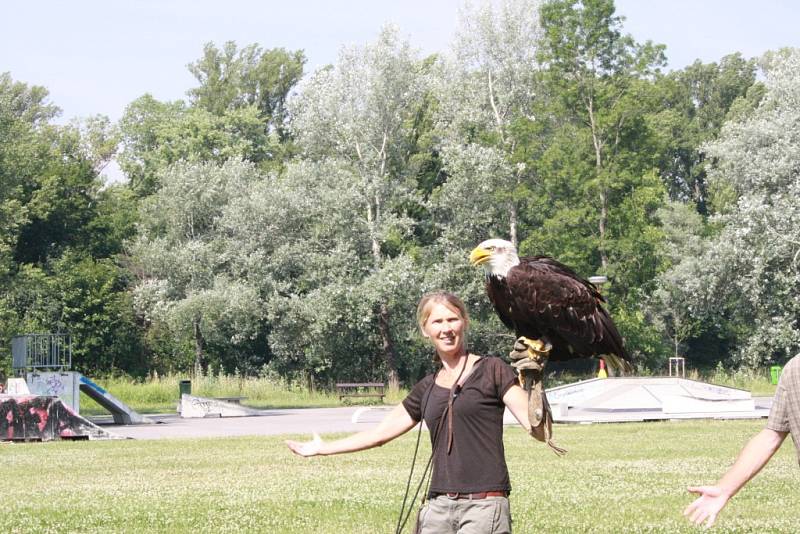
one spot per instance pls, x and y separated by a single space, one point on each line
547 303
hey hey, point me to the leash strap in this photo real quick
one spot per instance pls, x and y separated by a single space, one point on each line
427 474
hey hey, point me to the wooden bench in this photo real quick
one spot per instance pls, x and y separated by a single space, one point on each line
235 400
361 389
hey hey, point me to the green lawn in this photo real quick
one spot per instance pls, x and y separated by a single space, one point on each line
160 394
615 478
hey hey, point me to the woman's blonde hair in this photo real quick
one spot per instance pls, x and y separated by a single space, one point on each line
440 297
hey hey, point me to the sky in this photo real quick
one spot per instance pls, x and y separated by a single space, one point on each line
97 56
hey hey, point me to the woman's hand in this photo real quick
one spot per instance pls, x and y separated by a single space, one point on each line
393 424
306 448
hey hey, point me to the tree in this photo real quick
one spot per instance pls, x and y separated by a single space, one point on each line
237 112
156 135
487 128
59 210
25 148
184 279
696 102
95 138
59 232
486 90
597 74
95 308
359 112
750 269
682 247
231 79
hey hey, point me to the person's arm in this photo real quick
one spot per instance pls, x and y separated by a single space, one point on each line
753 457
517 402
396 423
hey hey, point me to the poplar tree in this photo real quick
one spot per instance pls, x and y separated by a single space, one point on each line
359 113
748 276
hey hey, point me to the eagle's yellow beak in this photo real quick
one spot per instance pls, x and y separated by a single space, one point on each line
479 256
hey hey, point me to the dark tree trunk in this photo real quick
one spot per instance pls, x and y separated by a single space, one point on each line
389 356
199 344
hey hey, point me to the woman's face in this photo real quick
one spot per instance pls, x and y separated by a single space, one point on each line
445 328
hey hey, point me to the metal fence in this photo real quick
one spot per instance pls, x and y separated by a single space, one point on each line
41 351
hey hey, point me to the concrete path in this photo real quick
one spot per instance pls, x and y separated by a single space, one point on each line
270 422
289 421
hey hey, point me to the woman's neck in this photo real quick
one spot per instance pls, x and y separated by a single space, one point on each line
452 362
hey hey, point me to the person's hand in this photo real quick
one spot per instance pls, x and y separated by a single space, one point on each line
306 448
706 507
529 354
520 351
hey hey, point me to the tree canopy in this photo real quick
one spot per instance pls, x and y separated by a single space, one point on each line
283 222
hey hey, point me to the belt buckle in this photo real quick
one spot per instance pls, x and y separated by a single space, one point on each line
452 496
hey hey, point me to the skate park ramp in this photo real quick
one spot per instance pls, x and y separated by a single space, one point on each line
122 413
44 418
67 385
202 407
649 398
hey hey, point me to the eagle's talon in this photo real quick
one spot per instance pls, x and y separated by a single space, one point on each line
536 348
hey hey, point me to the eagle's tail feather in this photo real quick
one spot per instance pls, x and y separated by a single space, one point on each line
618 364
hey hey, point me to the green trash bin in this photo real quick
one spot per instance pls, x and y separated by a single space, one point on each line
775 373
185 386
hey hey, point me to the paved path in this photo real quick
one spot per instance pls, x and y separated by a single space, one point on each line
270 422
275 422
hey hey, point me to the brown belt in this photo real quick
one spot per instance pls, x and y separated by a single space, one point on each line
471 496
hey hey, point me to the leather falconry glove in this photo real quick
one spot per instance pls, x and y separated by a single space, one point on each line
529 358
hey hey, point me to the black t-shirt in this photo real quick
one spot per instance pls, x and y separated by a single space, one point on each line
476 461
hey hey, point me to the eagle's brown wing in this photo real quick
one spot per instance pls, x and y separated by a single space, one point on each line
544 298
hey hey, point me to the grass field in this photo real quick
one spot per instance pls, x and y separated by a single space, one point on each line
160 394
615 478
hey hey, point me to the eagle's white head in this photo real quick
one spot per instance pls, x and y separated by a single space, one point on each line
496 255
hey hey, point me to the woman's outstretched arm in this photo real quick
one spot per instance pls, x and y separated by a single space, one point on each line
396 423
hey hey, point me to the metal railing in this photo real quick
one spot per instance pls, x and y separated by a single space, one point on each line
41 351
677 367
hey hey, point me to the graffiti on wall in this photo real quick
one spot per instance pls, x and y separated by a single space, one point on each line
56 384
39 418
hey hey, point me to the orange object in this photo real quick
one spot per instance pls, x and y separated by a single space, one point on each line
602 372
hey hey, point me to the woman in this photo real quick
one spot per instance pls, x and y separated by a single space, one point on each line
462 404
